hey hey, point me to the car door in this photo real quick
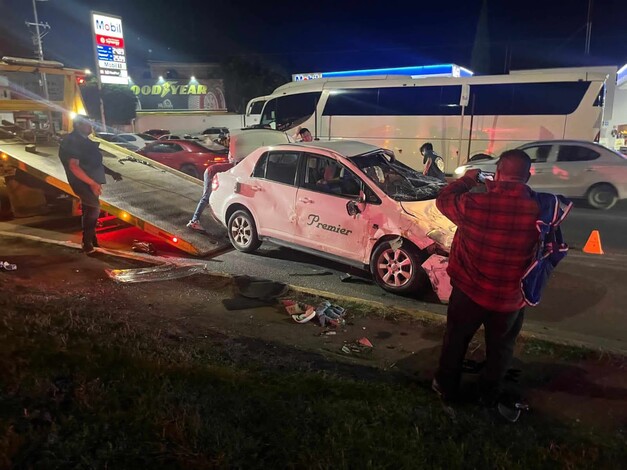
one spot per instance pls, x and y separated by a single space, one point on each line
272 188
165 153
574 169
542 158
322 220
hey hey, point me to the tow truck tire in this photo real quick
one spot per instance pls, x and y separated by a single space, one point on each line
399 271
243 232
189 170
602 196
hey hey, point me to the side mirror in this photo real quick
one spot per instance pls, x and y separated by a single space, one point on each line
352 207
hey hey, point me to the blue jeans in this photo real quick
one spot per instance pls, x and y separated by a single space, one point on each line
210 172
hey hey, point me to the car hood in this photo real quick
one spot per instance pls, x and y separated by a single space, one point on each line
435 224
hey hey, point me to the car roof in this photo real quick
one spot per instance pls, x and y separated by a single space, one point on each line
347 148
560 142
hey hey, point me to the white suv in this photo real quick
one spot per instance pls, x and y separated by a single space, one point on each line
346 201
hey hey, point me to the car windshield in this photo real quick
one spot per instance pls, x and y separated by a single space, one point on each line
147 137
396 179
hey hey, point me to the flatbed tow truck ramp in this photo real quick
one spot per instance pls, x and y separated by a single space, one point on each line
155 198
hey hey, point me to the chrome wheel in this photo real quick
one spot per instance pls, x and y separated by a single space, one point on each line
395 267
241 231
602 196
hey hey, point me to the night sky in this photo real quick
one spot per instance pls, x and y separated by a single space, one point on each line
314 36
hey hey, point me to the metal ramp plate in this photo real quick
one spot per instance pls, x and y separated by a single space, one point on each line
153 197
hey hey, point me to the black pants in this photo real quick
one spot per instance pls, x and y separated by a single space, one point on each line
90 205
89 221
464 318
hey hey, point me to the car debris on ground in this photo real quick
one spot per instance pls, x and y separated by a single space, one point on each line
6 266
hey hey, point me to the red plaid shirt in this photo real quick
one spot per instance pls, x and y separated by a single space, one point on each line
495 239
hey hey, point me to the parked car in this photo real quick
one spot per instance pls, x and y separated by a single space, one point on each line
575 169
176 137
115 139
189 157
140 140
213 133
346 201
157 132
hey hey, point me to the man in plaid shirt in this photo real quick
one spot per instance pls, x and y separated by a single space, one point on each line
492 249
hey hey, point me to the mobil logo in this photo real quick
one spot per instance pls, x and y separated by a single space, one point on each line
108 26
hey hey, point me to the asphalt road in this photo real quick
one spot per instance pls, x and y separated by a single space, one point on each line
611 224
585 301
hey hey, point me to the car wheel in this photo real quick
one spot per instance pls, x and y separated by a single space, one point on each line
243 232
398 269
602 196
189 170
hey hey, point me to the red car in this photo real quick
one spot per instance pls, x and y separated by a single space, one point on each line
189 156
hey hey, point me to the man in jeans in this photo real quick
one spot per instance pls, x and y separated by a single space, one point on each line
85 173
210 172
492 249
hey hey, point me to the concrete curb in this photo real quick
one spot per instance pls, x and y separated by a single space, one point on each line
529 331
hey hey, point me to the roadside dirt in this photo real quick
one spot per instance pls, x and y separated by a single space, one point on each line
590 389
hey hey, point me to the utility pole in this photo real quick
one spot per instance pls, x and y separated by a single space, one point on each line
589 27
39 51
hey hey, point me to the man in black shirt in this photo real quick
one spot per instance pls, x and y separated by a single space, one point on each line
85 172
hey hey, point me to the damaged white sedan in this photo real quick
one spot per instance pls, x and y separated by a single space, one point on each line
346 201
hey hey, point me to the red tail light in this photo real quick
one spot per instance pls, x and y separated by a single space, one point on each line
214 183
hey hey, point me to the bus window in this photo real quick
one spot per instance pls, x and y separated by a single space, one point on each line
256 107
289 111
268 118
525 99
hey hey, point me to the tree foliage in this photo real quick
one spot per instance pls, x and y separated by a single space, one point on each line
246 78
119 102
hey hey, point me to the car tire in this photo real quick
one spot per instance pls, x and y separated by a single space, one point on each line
399 271
243 232
189 170
602 196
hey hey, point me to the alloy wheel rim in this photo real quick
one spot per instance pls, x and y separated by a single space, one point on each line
395 267
241 231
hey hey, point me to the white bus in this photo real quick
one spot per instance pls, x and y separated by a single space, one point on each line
253 111
460 116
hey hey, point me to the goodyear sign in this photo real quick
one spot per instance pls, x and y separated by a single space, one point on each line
179 95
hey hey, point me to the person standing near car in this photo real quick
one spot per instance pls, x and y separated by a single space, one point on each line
303 135
493 247
434 164
85 171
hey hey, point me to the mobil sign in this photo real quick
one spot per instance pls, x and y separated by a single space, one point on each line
108 41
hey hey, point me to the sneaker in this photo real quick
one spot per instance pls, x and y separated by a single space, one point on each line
195 225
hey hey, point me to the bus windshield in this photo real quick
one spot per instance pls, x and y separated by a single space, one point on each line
396 179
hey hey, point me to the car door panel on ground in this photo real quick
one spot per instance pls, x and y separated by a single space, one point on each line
273 188
322 220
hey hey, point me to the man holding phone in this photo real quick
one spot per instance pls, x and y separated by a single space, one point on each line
493 247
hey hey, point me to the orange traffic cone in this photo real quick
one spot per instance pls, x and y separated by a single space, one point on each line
593 245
